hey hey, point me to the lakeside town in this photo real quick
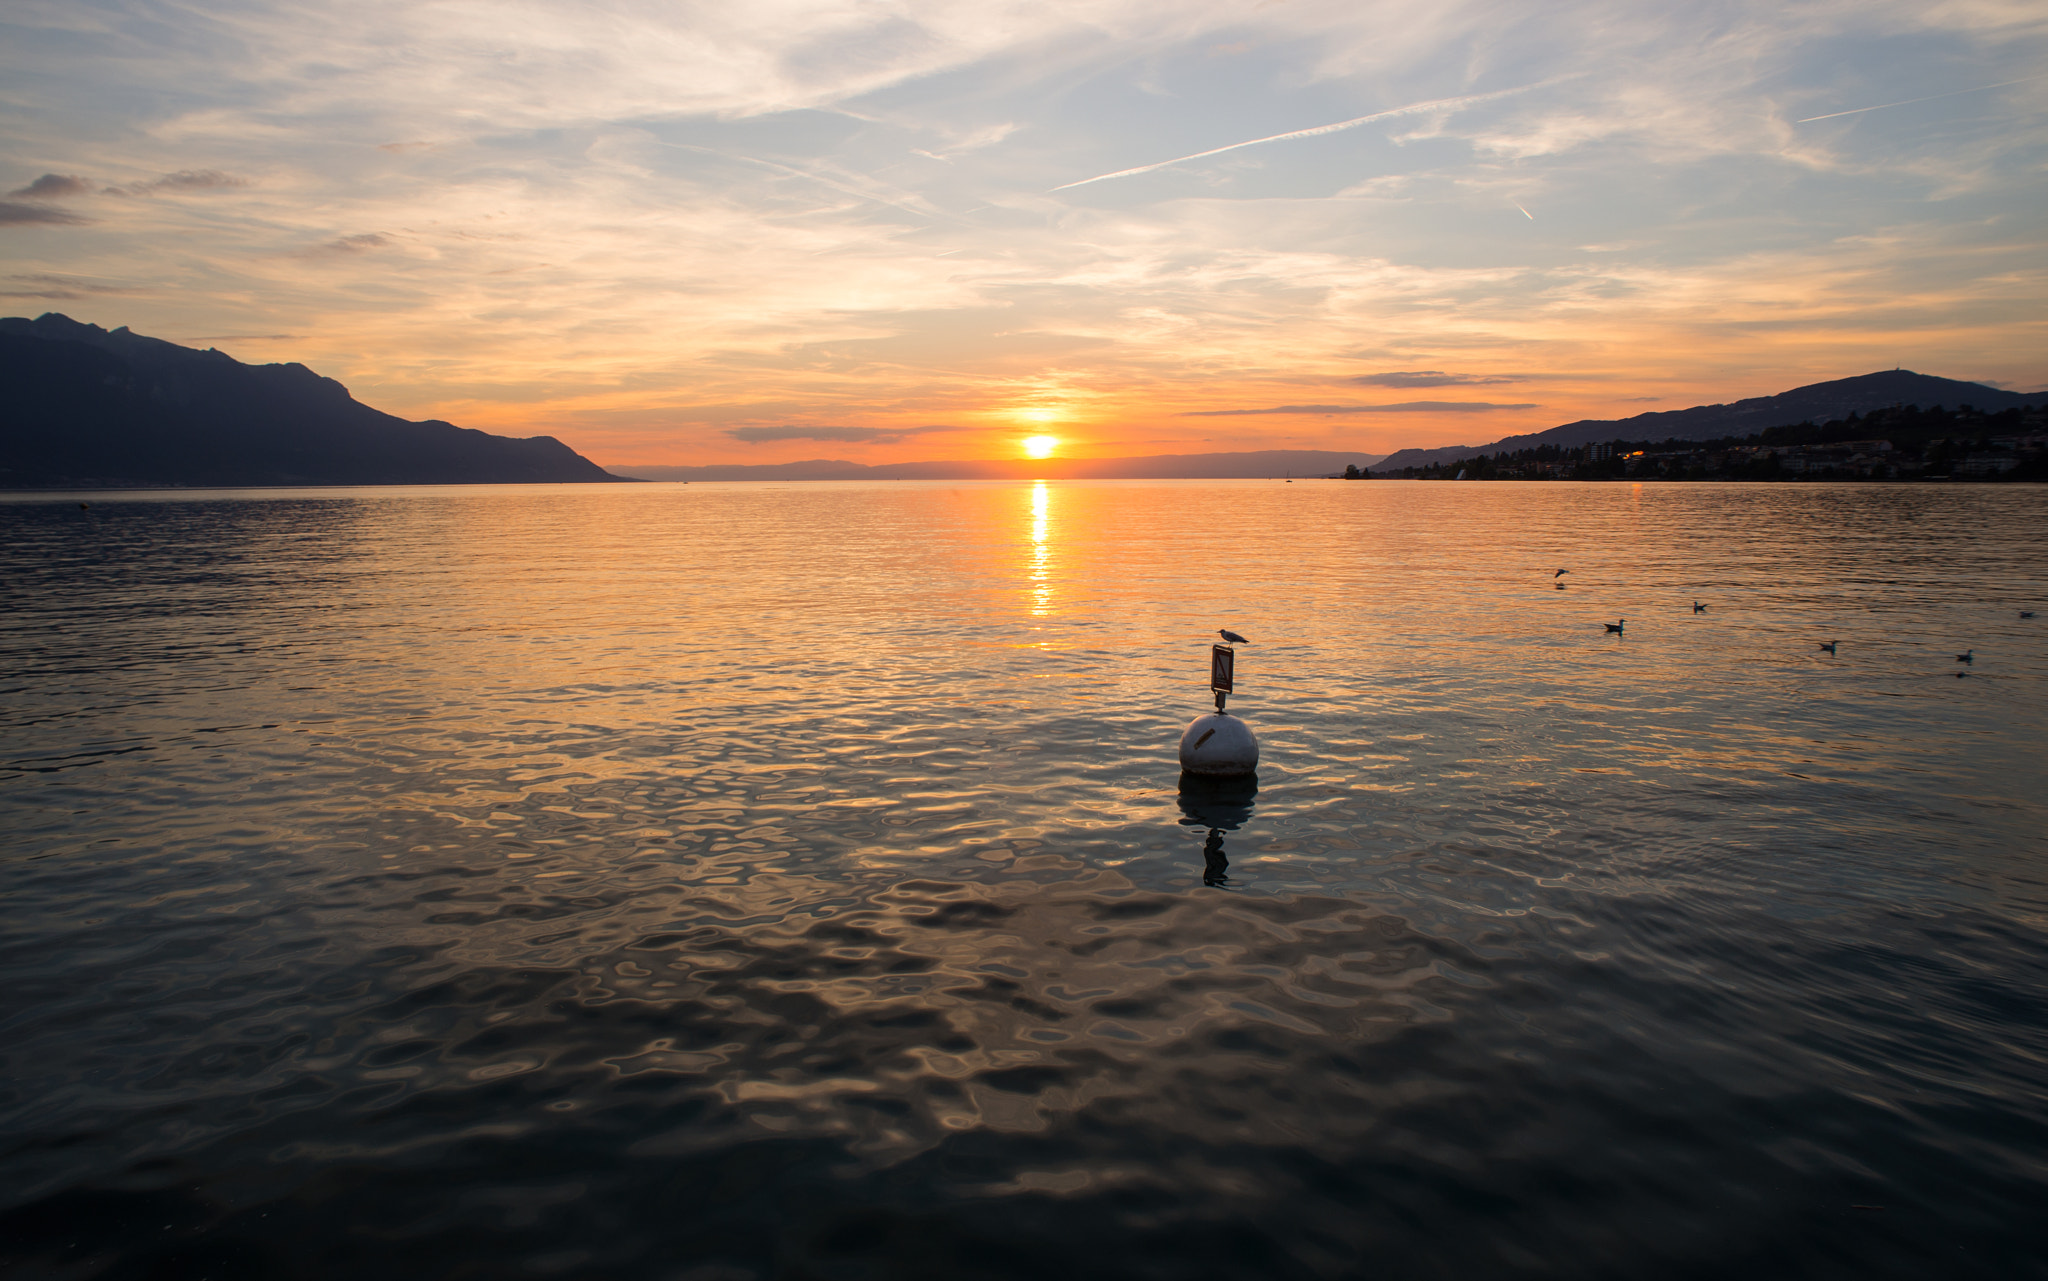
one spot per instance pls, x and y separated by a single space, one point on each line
1903 442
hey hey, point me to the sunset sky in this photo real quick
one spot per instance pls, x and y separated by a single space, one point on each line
889 230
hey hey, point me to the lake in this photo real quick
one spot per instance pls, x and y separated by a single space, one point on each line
716 882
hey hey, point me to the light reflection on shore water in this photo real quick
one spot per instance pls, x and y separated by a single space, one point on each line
724 881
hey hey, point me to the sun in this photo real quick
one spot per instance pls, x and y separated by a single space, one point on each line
1040 446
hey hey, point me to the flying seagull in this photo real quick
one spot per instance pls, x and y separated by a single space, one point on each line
1231 636
1830 646
1614 627
1561 573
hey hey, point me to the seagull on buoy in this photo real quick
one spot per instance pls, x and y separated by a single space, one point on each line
1698 608
1231 636
1967 656
1614 627
1830 646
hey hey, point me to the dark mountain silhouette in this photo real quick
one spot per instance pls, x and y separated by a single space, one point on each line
1817 403
1265 462
82 406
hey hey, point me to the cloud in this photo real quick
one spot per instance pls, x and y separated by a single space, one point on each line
357 244
1405 407
53 186
57 288
64 186
198 180
974 141
1433 378
183 180
867 435
12 213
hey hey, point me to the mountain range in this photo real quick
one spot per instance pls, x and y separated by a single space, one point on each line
82 406
1818 403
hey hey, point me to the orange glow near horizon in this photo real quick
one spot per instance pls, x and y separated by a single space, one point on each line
980 263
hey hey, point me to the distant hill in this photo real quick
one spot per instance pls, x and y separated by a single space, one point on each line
1266 462
1817 403
81 406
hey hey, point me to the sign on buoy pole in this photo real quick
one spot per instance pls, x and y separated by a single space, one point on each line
1217 744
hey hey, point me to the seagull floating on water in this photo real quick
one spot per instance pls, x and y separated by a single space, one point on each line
1698 608
1231 636
2026 613
1967 656
1830 646
1614 627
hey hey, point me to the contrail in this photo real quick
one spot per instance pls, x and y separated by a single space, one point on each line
919 207
1440 104
1910 101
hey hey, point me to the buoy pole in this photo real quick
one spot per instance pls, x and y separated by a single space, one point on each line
1217 744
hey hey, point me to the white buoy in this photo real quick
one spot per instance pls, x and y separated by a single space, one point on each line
1218 745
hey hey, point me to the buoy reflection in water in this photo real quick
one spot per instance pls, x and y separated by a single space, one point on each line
1221 805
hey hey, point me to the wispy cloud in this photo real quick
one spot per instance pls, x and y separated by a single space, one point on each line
868 435
53 186
973 140
14 213
1433 378
57 288
64 186
185 180
1406 407
361 243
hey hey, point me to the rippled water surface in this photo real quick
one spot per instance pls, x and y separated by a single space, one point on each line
724 882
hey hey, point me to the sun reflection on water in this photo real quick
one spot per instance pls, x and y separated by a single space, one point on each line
1041 550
